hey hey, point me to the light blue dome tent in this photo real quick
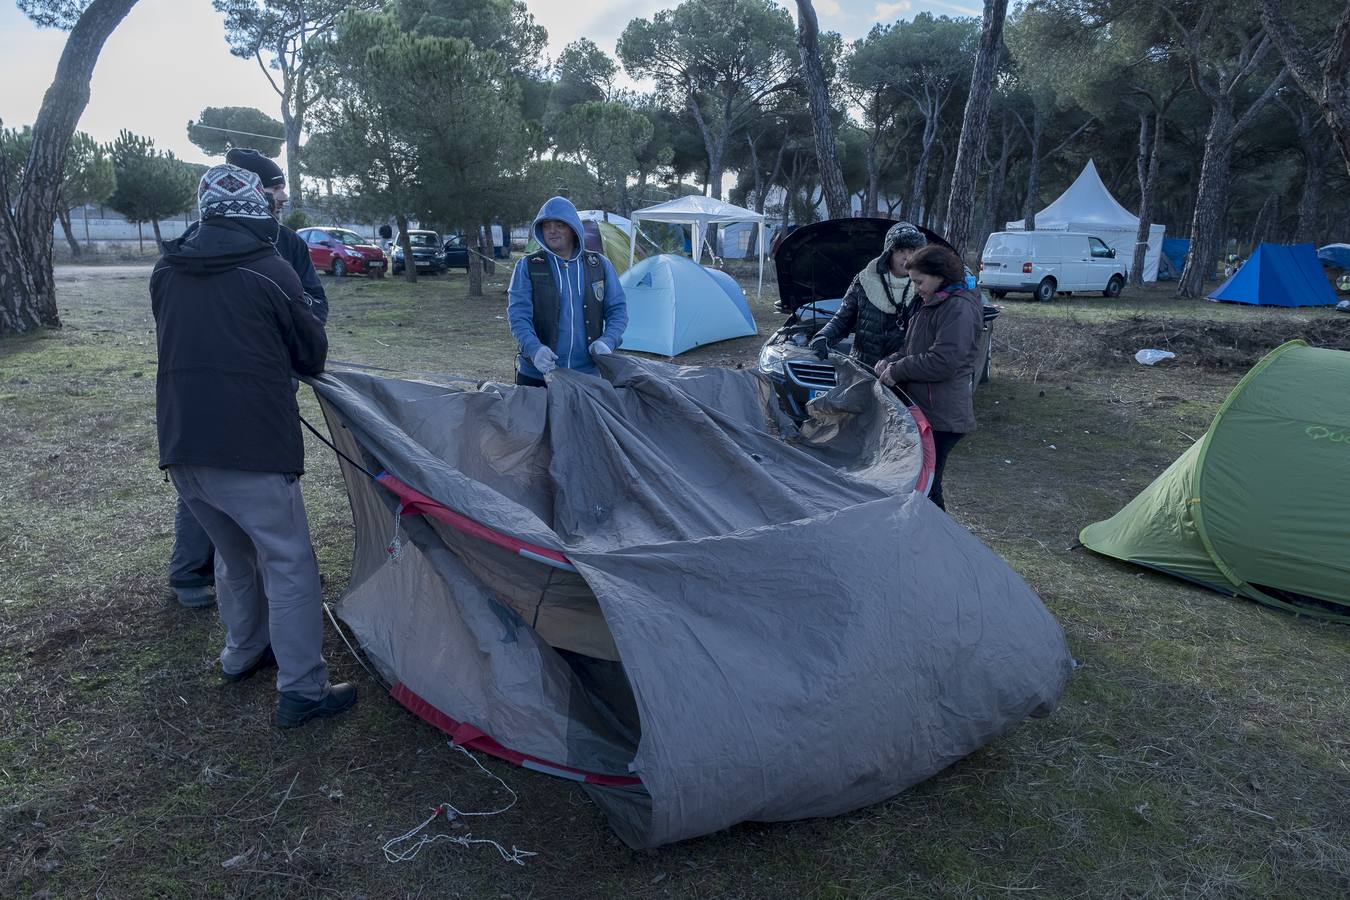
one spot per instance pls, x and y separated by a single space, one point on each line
674 305
698 212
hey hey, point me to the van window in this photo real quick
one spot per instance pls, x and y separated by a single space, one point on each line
1003 243
1099 248
1072 245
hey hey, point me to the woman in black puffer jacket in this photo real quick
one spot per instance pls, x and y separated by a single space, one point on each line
878 302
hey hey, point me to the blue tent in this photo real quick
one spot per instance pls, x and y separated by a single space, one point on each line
1175 249
674 305
737 240
1279 275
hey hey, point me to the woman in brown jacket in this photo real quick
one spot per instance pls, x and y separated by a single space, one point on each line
942 348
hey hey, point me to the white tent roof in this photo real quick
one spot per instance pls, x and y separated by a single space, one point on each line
1087 202
698 212
1088 206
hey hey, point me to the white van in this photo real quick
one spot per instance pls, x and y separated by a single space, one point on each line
1044 263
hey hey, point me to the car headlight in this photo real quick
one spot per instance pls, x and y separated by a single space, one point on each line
771 359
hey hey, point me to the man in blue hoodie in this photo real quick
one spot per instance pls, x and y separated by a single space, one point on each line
566 305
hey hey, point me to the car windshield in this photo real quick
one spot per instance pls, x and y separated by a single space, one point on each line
350 238
422 239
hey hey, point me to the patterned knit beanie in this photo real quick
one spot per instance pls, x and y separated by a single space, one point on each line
904 236
233 192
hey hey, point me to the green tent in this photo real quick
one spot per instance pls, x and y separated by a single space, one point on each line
1258 506
602 237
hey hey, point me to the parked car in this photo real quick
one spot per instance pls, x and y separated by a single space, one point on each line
341 252
456 252
1044 263
815 265
428 256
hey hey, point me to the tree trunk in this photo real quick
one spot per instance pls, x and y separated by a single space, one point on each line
1209 200
159 239
1317 156
293 106
64 215
1309 200
409 267
831 177
871 198
1148 180
1329 84
974 126
916 211
475 262
27 290
993 201
759 175
1265 220
932 208
1209 197
1033 198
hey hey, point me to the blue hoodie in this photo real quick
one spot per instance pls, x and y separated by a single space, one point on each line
569 275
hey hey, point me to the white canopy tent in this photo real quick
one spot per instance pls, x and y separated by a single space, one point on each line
1088 206
698 212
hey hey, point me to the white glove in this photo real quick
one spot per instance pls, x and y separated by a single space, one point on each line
545 360
600 348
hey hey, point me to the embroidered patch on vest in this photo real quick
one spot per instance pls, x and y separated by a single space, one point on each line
598 288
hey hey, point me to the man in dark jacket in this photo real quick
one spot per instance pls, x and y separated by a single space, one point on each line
878 303
290 245
192 563
232 324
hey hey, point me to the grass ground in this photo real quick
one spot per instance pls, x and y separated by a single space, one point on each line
1201 749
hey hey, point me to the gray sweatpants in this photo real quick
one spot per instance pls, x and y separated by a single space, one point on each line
267 579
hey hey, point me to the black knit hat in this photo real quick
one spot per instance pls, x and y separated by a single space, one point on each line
268 172
901 236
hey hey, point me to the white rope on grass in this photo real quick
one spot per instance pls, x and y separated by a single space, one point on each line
514 855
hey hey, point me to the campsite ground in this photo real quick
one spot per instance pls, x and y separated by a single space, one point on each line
1201 748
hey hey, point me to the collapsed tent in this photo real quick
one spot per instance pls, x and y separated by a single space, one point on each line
1256 507
1088 207
674 305
603 238
1279 275
632 582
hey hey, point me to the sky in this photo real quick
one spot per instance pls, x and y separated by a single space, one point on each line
168 59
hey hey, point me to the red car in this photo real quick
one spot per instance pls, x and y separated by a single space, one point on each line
341 252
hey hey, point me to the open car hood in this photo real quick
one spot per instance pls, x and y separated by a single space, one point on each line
818 261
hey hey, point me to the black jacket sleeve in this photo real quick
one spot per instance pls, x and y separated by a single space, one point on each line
293 249
843 322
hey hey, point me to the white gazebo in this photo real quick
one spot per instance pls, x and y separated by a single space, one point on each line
699 212
1088 206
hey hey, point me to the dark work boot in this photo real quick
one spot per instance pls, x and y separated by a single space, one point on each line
197 597
293 709
265 660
